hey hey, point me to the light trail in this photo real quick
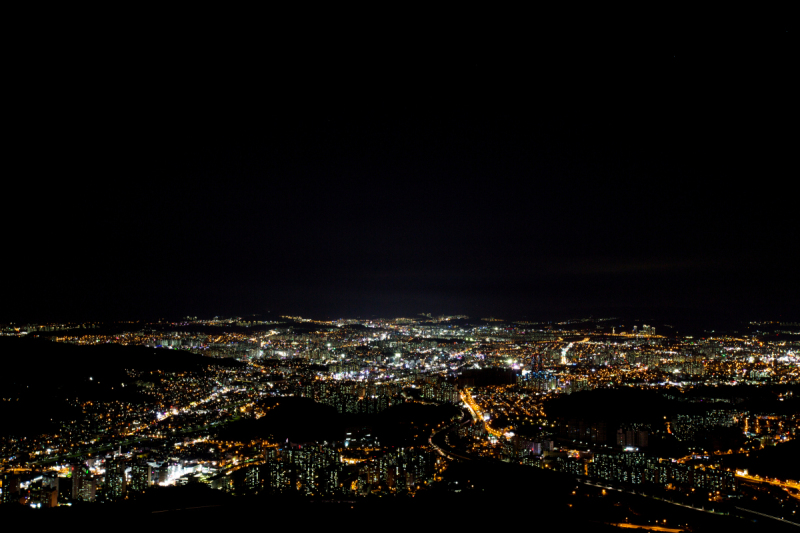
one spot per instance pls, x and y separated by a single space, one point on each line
776 482
651 528
475 409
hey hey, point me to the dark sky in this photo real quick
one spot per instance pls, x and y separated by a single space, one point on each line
563 175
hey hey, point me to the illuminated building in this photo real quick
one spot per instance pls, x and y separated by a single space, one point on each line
141 474
115 481
252 478
84 485
310 469
9 488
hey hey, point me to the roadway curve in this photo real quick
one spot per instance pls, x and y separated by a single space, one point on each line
437 439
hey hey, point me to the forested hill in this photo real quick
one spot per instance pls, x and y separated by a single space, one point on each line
40 378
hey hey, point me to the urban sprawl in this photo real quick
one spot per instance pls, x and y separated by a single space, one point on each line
507 384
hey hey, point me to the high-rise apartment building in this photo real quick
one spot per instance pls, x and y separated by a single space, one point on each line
141 474
116 482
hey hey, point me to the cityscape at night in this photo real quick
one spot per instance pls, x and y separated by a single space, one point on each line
353 410
474 277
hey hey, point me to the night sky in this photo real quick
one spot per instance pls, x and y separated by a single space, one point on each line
539 177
